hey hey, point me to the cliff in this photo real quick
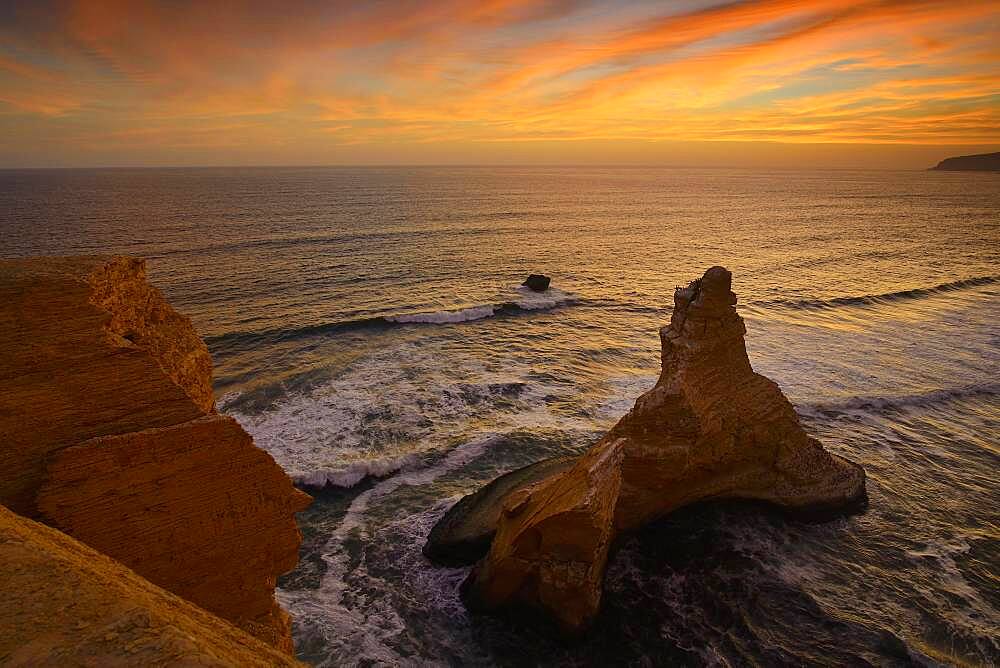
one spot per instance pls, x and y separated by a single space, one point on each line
982 162
108 431
65 604
710 428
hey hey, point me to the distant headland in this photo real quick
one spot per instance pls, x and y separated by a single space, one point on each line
982 162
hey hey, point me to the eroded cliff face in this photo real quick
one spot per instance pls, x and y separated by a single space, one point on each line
710 428
65 604
204 514
88 348
108 431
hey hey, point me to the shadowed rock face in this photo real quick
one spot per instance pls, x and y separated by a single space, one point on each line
537 282
710 428
65 604
108 431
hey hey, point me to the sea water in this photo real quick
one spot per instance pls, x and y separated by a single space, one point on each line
368 328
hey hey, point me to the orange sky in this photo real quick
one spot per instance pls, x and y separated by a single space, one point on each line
880 83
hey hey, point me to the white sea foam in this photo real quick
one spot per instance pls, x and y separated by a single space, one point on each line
369 632
530 300
526 299
444 317
351 473
388 410
622 393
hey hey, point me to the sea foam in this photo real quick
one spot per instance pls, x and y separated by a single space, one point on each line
445 317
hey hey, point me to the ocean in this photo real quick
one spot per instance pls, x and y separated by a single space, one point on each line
368 329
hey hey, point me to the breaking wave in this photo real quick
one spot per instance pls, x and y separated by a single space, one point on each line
888 297
527 302
351 473
445 317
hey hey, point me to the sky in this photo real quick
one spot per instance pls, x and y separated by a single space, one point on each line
762 83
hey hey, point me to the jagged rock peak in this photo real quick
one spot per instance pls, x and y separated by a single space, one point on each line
711 294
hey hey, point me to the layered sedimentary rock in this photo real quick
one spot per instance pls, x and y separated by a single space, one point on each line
65 604
88 348
204 514
710 428
108 431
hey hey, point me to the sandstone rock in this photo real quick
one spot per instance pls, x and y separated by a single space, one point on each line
537 282
108 431
65 604
204 514
710 428
464 534
88 348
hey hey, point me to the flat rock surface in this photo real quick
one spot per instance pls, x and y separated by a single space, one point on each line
88 348
204 513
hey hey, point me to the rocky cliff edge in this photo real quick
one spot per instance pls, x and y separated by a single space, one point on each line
108 432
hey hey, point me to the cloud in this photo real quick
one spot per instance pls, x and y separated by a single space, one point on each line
308 72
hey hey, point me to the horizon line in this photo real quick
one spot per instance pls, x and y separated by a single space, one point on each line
429 165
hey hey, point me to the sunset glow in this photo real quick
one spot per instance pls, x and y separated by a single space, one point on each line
304 82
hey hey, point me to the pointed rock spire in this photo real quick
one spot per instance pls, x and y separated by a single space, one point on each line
711 428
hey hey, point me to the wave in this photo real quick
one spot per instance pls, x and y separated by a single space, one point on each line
409 465
444 317
888 297
526 303
879 404
354 472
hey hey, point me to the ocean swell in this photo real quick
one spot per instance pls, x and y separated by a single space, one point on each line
888 297
525 303
902 402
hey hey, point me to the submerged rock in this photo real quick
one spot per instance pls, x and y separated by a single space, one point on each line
710 428
537 282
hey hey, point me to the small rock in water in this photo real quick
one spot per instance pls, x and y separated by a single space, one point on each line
537 282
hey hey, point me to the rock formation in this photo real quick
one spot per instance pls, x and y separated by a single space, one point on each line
710 428
108 431
464 534
981 162
65 604
537 282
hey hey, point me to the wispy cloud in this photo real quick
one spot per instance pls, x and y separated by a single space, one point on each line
173 74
